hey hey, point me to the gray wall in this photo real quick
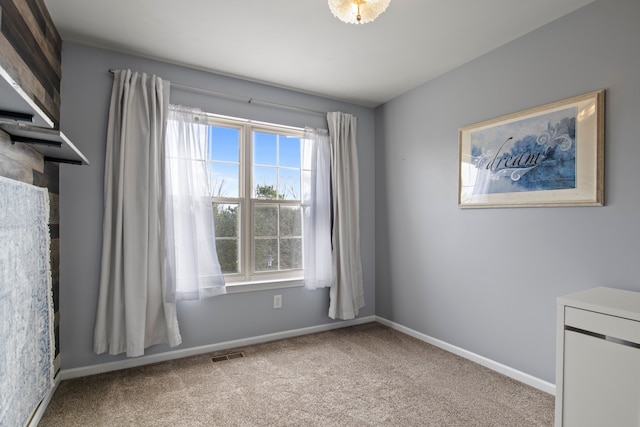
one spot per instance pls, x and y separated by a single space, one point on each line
487 280
85 92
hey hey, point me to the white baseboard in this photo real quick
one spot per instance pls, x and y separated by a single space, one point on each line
66 374
481 360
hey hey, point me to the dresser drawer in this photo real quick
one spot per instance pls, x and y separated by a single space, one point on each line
603 324
598 355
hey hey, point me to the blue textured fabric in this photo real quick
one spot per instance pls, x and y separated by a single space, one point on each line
26 306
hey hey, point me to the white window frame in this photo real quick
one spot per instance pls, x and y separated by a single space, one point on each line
247 279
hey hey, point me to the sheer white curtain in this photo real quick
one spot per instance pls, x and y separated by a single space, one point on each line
132 312
347 293
193 269
316 205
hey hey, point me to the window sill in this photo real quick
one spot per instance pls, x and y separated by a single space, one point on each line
240 287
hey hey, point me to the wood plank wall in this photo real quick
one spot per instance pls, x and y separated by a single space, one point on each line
30 51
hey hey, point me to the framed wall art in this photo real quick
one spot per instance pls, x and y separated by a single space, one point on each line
552 155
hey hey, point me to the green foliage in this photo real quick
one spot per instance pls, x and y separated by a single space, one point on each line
226 222
267 192
277 231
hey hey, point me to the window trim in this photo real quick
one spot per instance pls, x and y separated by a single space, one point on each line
265 285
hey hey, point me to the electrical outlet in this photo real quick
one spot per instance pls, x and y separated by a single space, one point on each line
277 301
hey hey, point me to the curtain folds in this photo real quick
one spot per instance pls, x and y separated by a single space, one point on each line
193 270
347 293
132 312
316 208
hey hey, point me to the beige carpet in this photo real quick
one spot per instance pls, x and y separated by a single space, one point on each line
367 375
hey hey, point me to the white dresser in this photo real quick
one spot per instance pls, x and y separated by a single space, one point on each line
598 359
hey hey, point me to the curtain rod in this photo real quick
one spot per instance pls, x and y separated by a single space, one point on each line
235 97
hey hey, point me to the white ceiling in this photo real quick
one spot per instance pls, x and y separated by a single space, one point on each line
298 44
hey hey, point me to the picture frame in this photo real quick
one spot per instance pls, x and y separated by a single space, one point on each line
551 155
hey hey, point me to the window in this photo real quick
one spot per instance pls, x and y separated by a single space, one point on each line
254 172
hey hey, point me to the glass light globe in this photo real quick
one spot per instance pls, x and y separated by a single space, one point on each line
358 11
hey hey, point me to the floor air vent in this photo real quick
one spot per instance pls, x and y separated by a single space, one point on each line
227 357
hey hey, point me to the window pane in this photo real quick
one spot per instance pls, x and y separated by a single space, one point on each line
225 181
223 144
290 221
266 255
226 217
223 153
264 183
289 184
228 255
264 148
290 253
266 221
289 151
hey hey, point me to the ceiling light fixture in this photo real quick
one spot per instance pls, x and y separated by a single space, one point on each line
357 11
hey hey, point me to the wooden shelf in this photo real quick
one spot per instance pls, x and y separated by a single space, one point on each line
14 100
25 122
55 146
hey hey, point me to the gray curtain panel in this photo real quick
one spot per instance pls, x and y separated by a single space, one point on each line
347 293
132 313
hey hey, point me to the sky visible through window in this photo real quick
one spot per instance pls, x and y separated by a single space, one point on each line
276 159
223 149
